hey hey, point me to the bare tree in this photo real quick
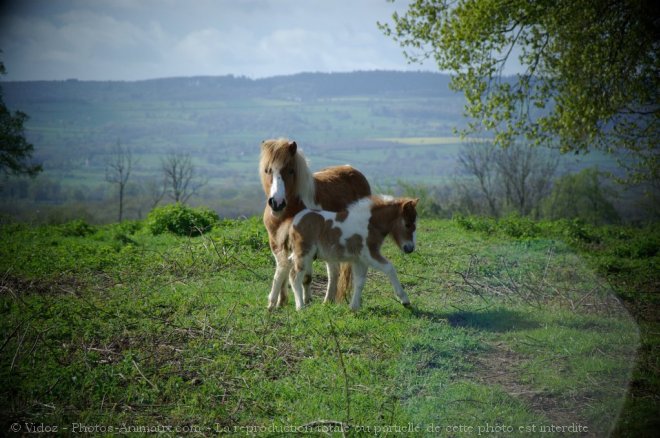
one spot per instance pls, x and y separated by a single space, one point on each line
155 191
118 170
478 159
180 180
515 178
526 175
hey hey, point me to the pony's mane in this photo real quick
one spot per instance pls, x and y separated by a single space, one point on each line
305 181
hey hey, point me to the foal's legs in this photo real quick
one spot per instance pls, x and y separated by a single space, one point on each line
307 284
388 269
359 277
333 276
277 296
301 269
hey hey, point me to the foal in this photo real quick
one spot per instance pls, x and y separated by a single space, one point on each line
356 236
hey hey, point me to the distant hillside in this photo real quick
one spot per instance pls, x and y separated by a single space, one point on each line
393 126
302 86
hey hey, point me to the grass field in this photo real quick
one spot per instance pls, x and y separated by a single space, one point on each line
108 329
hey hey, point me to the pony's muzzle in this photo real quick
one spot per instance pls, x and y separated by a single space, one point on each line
408 247
275 206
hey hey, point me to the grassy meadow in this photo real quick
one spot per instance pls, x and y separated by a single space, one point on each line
515 330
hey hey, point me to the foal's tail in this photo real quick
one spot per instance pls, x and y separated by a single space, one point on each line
344 283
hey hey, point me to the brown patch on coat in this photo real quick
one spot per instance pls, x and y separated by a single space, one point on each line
341 216
354 244
386 216
313 229
339 186
383 215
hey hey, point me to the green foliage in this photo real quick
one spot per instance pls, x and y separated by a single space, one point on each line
427 206
519 226
181 220
482 224
580 196
15 151
585 83
76 228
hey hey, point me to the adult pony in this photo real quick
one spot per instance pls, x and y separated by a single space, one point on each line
356 236
290 186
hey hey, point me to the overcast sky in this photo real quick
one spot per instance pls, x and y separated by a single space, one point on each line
142 39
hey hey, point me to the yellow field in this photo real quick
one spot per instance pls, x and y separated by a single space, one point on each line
420 140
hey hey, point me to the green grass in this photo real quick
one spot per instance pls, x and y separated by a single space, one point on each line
112 326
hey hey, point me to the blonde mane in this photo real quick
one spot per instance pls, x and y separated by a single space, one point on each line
305 181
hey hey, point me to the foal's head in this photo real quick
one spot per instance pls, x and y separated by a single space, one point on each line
285 175
404 230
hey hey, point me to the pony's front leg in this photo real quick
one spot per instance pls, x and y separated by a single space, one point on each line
389 270
307 285
277 296
359 278
333 276
300 278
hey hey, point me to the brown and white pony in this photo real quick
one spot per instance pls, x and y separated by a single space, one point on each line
290 187
355 236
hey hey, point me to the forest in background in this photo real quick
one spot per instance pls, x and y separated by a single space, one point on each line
396 127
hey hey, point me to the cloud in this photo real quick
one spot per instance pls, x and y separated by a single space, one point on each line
137 40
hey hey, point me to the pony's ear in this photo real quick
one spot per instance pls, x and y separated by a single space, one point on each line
292 148
266 145
410 204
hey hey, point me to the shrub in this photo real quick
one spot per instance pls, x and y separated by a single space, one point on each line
583 196
482 224
519 226
181 219
76 228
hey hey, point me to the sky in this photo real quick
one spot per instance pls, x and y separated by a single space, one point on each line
145 39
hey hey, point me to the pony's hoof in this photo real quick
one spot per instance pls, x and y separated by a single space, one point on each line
407 305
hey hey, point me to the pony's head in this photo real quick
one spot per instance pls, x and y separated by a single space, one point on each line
404 230
285 175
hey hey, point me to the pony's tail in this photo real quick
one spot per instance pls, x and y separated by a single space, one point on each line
344 283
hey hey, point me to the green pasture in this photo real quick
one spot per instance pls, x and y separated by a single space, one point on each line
112 327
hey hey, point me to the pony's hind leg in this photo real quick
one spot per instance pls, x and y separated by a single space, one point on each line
333 276
359 278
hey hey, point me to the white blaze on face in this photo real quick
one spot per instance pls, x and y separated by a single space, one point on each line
277 190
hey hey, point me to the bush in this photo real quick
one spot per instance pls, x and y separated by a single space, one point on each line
482 224
582 196
76 228
519 226
181 220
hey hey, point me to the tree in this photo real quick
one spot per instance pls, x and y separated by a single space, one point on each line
580 196
478 159
513 179
15 151
526 176
118 170
180 179
590 70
